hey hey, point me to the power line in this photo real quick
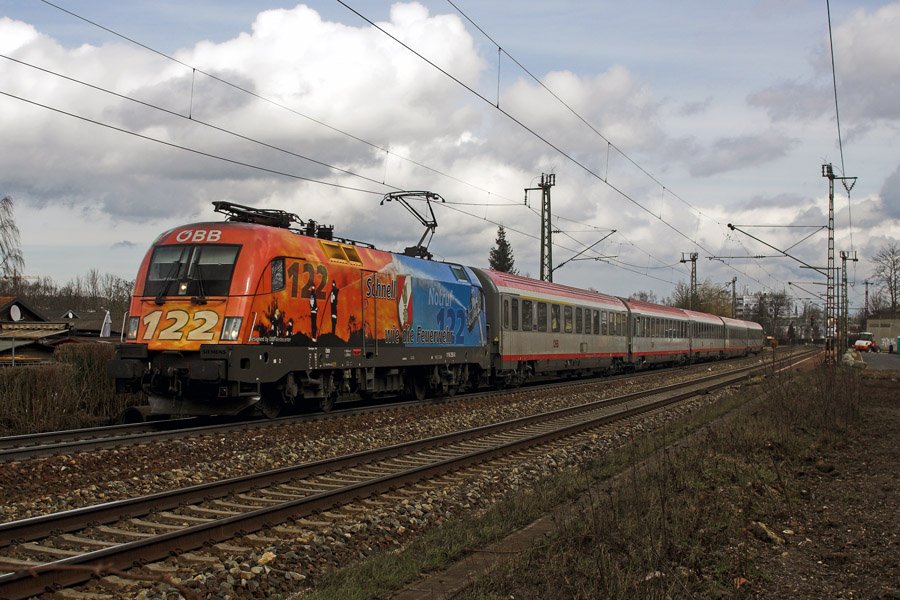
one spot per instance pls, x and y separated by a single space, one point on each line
361 140
270 101
837 117
189 149
194 120
533 132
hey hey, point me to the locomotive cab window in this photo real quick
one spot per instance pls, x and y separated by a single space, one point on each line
191 270
460 272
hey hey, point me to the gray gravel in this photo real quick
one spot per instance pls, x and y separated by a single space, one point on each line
295 554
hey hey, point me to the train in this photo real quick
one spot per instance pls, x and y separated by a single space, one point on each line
263 312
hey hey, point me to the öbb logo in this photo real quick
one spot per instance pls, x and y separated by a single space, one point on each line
199 235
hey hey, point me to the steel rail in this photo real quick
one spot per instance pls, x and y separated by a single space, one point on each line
39 578
39 526
21 447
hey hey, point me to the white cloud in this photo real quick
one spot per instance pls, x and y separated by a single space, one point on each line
697 140
867 67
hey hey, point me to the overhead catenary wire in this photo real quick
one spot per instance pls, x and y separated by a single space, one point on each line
837 118
568 107
533 132
189 149
196 70
272 102
190 116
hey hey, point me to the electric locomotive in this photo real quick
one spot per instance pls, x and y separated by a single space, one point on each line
255 313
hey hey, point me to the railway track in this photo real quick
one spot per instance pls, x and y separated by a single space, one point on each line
23 447
56 550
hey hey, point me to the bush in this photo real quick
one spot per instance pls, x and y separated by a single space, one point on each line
73 392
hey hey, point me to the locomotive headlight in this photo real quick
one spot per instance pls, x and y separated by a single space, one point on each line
132 330
231 328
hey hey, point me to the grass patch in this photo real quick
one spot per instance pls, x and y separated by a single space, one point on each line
383 572
682 528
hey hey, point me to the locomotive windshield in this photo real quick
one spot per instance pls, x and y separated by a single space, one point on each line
190 270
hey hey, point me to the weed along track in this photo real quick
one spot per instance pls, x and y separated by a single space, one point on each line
299 502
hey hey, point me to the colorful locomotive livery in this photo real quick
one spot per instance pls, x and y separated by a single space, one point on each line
376 297
253 314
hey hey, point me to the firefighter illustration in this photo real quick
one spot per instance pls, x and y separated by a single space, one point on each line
313 313
333 298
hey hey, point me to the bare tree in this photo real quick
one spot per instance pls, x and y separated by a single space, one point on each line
645 297
12 263
887 272
711 298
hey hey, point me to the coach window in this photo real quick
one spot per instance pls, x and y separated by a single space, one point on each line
277 274
542 316
604 325
515 314
596 319
527 315
505 313
554 318
567 319
587 321
579 320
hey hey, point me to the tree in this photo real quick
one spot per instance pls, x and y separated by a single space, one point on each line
645 297
711 298
887 272
11 261
501 257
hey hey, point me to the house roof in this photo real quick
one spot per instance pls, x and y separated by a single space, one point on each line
25 312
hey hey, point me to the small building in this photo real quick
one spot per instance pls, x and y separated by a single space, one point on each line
25 335
94 324
884 331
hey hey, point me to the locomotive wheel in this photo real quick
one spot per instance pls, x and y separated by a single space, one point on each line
414 386
271 406
326 403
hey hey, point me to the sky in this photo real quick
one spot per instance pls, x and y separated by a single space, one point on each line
662 122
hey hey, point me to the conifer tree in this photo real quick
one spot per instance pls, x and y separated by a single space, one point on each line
501 257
